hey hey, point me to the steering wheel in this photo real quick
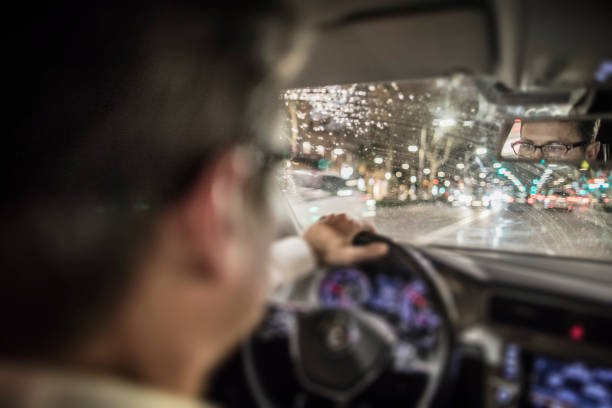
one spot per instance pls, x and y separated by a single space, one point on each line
378 332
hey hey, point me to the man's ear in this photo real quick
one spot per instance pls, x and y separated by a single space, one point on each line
592 151
206 214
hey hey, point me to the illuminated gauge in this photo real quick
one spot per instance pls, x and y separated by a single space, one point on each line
415 310
344 288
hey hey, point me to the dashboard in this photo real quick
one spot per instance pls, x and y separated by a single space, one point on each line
540 327
532 331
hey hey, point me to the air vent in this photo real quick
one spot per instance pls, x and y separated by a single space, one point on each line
551 320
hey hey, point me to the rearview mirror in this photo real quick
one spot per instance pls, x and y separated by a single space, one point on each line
571 139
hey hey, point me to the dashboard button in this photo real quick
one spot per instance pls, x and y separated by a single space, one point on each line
504 395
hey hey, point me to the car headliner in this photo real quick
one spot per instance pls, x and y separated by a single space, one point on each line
522 43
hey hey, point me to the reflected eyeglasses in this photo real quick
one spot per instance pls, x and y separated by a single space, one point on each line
551 149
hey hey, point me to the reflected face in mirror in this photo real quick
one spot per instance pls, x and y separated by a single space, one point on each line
563 140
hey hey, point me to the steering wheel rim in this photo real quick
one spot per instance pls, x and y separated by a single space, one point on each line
438 293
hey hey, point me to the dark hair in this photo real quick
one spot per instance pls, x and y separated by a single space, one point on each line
588 129
114 111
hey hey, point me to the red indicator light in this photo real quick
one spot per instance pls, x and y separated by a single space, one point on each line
576 332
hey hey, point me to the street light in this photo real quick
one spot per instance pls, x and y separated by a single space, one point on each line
346 172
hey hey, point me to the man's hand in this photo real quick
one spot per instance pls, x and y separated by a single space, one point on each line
331 239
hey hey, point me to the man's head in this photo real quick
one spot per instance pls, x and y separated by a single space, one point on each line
563 140
134 221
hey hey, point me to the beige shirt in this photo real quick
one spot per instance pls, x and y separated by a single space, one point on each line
22 387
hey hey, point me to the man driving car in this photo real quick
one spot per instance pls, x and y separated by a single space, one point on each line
564 140
136 232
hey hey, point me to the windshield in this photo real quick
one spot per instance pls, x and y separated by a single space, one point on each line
418 160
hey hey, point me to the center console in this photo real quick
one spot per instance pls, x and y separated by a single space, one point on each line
527 379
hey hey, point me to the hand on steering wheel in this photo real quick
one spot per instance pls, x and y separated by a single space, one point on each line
331 239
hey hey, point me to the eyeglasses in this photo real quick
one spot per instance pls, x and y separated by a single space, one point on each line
265 161
266 158
550 150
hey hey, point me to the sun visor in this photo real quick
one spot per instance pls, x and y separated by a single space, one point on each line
392 46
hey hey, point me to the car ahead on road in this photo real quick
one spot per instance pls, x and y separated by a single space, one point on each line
324 183
518 204
316 193
499 305
559 200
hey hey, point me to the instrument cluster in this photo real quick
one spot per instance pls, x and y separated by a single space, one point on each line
404 303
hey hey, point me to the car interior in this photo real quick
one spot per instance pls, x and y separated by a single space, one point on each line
468 322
